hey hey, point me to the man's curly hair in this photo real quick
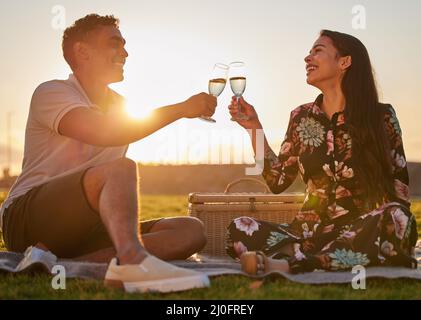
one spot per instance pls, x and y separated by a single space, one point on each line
80 30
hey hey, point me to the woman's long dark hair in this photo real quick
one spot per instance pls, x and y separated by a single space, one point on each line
364 117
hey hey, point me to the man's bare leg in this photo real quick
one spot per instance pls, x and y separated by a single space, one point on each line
112 190
175 238
168 239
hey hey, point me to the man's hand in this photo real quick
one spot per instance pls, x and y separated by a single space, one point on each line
201 104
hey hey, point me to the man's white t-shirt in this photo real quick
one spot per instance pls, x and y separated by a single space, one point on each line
47 153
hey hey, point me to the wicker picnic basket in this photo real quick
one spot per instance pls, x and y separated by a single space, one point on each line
217 210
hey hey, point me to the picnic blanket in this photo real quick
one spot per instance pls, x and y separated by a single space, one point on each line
36 260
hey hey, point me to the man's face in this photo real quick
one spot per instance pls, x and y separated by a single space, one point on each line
105 54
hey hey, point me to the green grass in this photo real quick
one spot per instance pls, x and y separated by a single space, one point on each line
228 287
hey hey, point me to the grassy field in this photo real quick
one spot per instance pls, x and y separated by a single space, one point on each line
229 287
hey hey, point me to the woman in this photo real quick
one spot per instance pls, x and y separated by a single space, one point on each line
348 149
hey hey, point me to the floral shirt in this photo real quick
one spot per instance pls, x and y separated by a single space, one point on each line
321 150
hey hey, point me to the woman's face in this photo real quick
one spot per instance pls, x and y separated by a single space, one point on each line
324 66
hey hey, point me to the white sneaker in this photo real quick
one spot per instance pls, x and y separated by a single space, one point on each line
153 275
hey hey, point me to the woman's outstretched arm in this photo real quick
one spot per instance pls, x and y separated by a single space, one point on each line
278 171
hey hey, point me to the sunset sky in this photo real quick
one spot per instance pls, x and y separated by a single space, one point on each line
173 46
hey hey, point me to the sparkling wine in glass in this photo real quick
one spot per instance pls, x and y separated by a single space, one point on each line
238 85
216 86
217 83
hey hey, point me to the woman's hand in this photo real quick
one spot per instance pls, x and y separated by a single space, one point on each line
253 121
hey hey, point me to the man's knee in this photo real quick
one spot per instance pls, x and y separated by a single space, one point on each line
190 229
196 229
122 165
120 169
96 177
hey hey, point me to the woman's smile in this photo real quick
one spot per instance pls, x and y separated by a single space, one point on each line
310 68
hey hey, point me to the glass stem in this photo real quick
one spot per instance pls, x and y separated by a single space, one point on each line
239 106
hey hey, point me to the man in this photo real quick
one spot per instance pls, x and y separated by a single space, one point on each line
77 193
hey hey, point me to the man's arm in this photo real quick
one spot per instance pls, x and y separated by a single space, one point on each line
99 129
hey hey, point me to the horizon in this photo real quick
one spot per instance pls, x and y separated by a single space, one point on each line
156 164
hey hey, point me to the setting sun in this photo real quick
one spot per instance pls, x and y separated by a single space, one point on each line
137 112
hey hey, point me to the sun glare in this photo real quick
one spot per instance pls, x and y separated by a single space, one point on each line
137 112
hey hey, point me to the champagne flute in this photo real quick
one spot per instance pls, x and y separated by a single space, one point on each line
238 85
217 83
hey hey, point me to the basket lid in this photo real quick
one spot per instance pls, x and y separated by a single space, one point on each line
198 197
228 197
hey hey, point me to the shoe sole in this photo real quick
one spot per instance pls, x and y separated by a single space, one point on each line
163 286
